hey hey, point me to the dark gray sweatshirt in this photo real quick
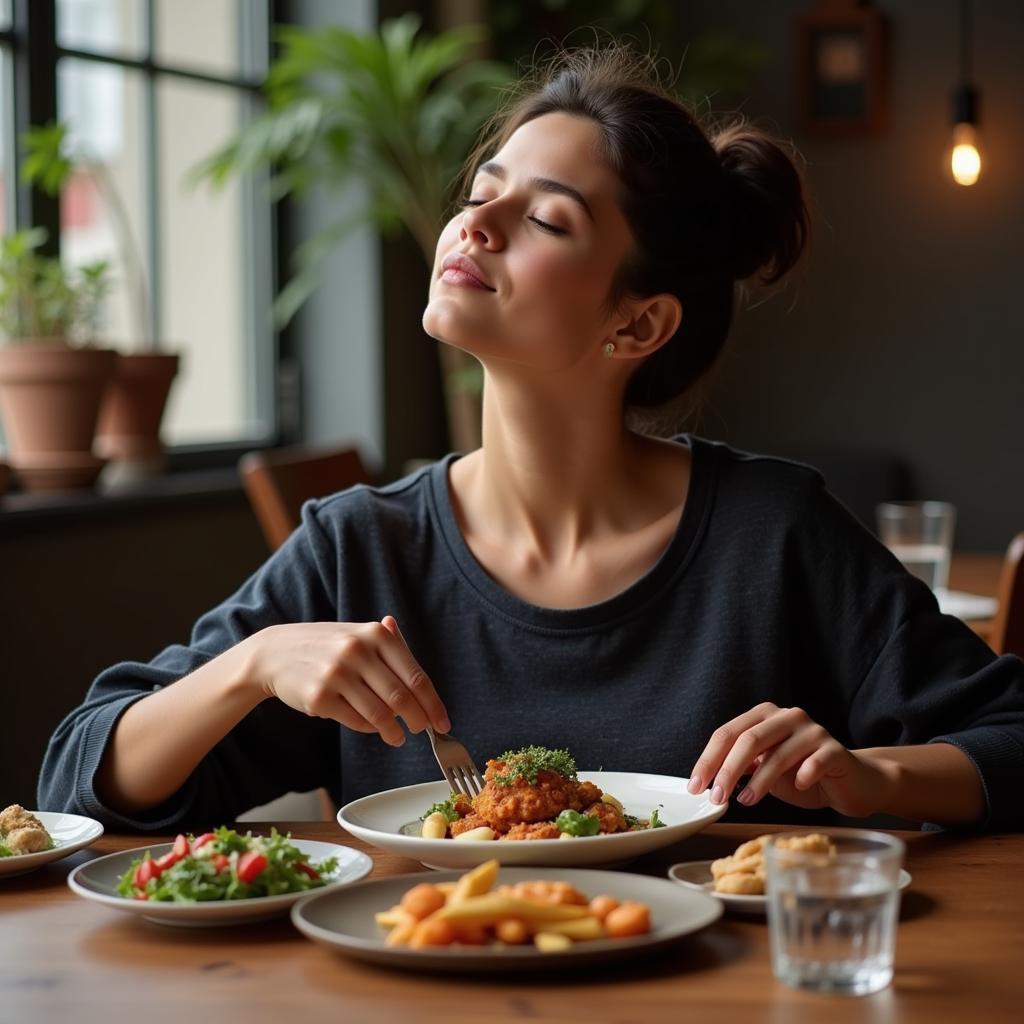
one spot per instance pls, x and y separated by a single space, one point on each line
768 591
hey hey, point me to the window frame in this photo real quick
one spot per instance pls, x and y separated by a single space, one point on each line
34 52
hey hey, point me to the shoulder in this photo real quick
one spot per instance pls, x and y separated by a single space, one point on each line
401 503
755 479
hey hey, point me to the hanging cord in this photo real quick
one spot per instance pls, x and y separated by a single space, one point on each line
966 42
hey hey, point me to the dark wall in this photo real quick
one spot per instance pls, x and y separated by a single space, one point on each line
903 338
80 592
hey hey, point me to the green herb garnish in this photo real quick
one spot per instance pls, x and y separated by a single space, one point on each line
4 851
526 763
577 824
446 807
656 822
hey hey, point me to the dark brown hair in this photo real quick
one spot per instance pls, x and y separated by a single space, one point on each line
706 209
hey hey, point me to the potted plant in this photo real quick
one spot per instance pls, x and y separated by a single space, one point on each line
52 378
396 110
129 425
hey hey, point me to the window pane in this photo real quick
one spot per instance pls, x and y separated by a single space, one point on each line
6 148
204 298
103 26
5 14
214 36
103 107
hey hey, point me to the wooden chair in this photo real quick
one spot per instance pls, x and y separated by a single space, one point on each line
279 480
1008 626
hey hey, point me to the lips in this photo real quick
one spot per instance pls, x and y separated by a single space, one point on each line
458 268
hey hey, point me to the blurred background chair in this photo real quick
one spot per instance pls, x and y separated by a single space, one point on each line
1008 626
279 480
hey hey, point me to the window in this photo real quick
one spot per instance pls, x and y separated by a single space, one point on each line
6 121
147 89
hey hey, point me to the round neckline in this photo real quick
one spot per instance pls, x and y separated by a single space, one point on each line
630 601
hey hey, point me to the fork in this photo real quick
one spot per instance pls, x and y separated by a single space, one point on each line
456 764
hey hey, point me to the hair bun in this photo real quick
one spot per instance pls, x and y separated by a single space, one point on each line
768 223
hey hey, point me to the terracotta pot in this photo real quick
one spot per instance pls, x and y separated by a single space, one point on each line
129 428
50 400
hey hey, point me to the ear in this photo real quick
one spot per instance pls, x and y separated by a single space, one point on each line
650 323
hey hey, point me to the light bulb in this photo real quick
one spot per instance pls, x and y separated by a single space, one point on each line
965 160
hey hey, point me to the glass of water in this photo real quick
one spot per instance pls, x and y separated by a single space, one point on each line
920 535
832 916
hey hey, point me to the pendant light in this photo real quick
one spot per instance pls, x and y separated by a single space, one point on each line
965 156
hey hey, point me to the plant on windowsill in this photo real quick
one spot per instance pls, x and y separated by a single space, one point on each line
128 433
396 111
52 374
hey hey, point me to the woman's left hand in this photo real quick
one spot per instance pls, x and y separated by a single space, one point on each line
791 757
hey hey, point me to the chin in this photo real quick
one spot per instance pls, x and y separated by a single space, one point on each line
444 321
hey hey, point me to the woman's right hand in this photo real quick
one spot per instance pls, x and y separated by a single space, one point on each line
361 674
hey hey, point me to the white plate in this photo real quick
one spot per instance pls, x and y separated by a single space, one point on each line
379 819
966 606
344 921
70 832
97 881
696 875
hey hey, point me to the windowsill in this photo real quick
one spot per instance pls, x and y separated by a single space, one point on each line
42 506
194 473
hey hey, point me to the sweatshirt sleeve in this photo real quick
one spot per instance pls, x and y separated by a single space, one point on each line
910 674
273 750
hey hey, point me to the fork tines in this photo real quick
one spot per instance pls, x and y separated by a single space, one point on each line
459 770
464 779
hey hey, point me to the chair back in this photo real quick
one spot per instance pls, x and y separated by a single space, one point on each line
279 480
1008 626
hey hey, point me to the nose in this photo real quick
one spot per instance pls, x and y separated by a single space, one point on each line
481 227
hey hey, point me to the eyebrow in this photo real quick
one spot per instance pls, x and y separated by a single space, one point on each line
543 184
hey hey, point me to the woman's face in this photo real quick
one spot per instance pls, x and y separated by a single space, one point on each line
545 236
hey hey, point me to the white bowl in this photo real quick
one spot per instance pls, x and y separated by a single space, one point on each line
380 819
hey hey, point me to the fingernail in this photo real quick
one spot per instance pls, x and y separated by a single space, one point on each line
718 795
747 796
446 726
694 785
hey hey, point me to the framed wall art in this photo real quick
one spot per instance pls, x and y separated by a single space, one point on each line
842 62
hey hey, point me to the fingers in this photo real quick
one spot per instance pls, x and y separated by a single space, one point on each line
826 761
372 709
806 743
395 653
782 729
721 743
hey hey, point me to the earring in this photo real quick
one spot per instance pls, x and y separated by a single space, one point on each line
609 349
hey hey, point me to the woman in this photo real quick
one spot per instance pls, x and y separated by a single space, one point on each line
668 606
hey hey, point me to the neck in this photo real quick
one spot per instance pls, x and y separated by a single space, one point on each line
557 466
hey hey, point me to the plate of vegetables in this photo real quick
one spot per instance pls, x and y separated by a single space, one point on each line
217 878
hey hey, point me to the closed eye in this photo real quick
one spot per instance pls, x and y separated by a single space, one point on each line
542 224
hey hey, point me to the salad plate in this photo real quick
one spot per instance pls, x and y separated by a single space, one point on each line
98 881
70 832
696 875
391 821
343 920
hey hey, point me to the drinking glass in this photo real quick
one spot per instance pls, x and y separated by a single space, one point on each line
832 917
920 535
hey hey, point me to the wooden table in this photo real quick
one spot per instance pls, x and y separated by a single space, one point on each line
976 573
65 959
